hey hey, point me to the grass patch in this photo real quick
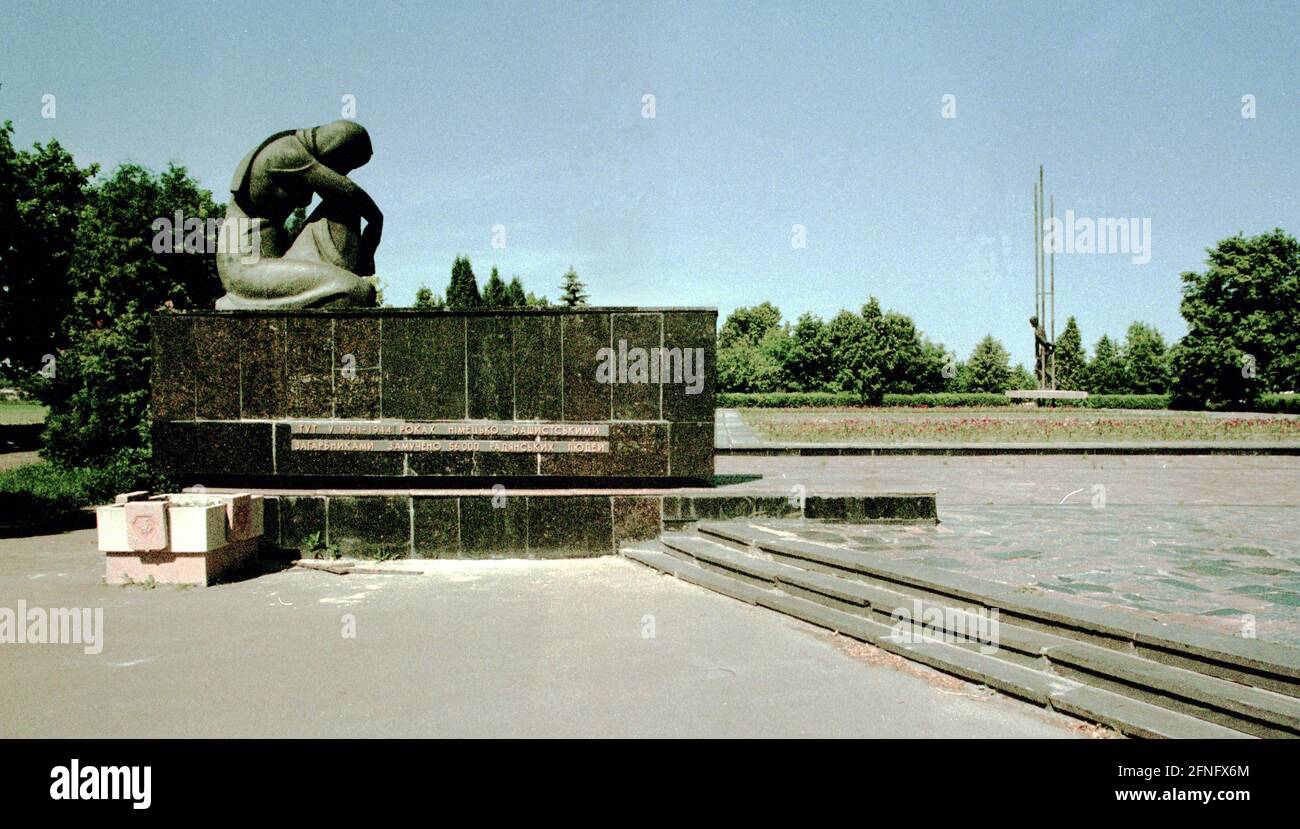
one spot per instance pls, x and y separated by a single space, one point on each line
21 412
1018 425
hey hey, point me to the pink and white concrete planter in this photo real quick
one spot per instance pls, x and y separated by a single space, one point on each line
177 538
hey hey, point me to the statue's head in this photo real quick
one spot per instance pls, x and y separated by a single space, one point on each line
1034 320
342 145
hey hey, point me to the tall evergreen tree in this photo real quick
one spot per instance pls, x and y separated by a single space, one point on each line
1071 360
426 298
462 291
515 296
1146 360
988 369
573 290
1106 373
494 292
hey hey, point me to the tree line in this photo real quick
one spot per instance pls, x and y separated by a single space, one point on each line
463 291
1243 340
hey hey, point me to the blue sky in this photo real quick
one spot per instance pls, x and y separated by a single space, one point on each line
767 116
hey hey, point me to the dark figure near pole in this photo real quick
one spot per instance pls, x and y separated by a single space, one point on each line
1043 349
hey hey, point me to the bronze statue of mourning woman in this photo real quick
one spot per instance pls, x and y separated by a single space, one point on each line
324 265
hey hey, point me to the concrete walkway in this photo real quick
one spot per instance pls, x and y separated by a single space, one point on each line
599 647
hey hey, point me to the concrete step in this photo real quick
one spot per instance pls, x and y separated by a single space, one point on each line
1129 716
1258 664
1255 711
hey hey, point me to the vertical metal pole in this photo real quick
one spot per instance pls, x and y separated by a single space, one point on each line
1036 246
1052 211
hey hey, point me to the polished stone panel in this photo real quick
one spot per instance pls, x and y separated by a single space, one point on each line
493 526
690 450
172 372
636 518
357 375
263 379
636 335
684 400
539 380
216 366
309 361
374 526
489 373
301 517
552 368
562 527
424 367
584 336
436 527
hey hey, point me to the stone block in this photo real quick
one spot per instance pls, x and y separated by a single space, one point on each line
538 375
309 374
198 523
172 371
636 518
494 527
357 373
570 526
489 374
436 529
585 399
636 335
146 526
423 367
371 526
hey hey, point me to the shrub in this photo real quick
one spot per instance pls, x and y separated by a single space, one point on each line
1279 403
39 492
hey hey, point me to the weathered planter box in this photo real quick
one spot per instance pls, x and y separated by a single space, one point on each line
374 394
181 538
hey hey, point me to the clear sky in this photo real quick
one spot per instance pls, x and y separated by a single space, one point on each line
767 116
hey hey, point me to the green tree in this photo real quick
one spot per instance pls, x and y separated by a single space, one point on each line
1071 361
1021 378
494 292
1146 360
988 369
42 194
1243 323
1106 373
751 367
936 368
749 324
573 290
535 301
808 364
462 291
426 298
515 296
99 396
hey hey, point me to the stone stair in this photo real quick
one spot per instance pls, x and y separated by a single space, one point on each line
1129 673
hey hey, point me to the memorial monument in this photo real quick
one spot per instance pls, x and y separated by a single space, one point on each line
516 432
323 266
